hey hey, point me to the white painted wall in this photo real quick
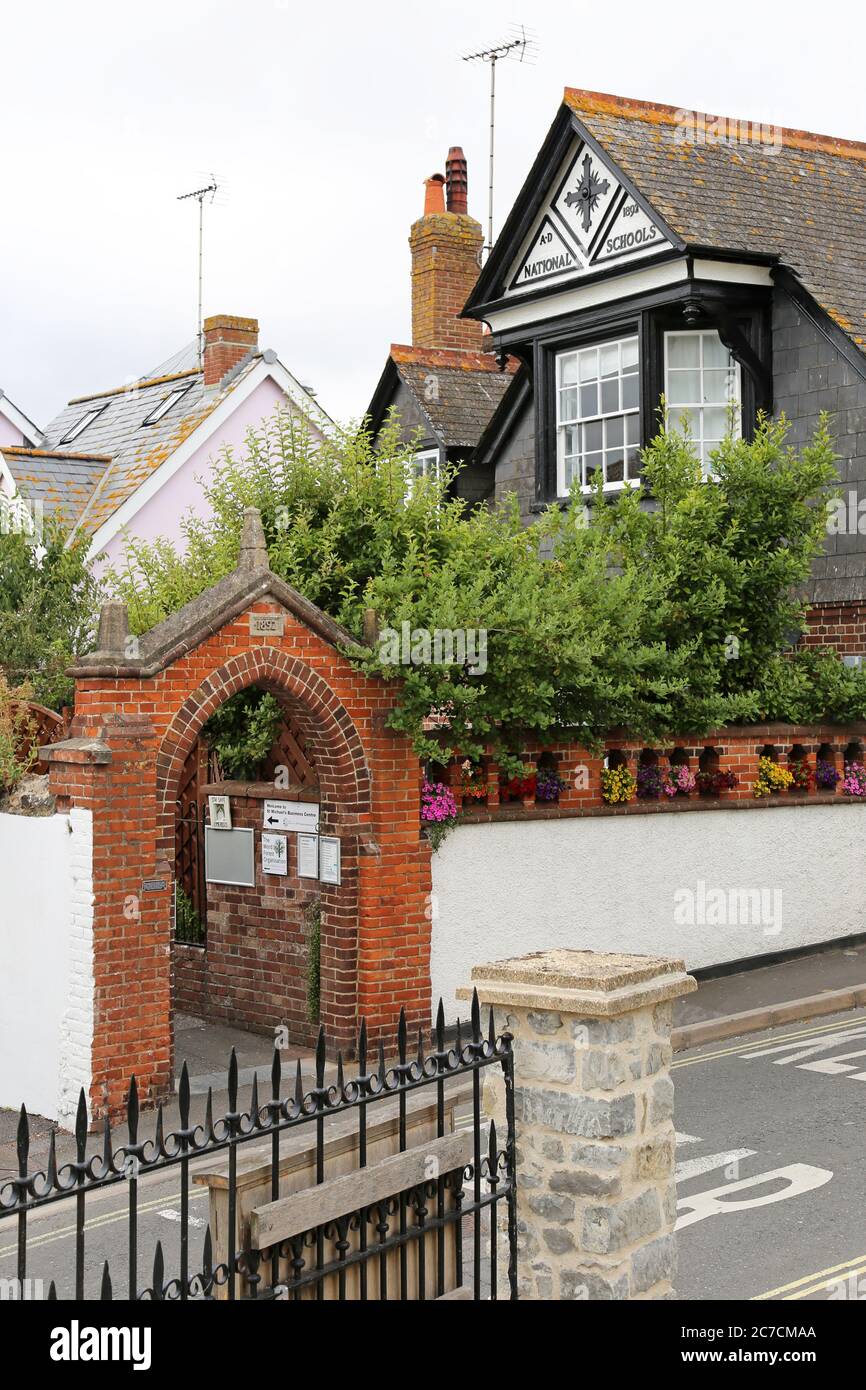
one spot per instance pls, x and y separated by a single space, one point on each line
632 883
46 962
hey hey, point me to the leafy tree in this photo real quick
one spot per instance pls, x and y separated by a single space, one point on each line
49 606
659 611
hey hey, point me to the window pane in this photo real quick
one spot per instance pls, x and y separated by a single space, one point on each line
629 354
568 370
682 418
592 435
715 423
629 392
717 386
588 401
609 396
610 359
684 349
589 364
569 436
715 352
632 429
593 464
568 403
614 468
684 387
614 431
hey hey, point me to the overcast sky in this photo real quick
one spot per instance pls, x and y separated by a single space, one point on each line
322 120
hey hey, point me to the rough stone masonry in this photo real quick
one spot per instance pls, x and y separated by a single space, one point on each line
594 1105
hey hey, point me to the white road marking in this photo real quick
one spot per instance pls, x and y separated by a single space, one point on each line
169 1214
836 1066
822 1043
799 1177
693 1167
686 1139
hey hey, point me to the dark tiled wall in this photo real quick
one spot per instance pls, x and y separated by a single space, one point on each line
811 375
515 467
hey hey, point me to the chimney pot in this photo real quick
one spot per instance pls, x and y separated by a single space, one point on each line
457 181
434 195
227 340
446 248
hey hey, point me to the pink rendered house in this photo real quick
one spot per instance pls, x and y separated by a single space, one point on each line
130 462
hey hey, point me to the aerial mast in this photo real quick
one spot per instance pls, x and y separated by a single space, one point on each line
200 194
519 46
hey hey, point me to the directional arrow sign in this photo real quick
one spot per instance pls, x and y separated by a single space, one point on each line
291 815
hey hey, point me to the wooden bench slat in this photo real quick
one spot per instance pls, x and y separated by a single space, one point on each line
302 1211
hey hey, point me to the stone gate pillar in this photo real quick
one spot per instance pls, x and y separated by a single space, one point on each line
594 1106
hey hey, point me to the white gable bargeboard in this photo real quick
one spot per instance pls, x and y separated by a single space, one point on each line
589 221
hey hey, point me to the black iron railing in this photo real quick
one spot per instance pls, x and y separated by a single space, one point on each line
438 1232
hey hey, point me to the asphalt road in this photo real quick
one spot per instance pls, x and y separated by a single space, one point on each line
771 1178
771 1161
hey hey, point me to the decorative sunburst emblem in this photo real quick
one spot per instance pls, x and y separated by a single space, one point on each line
588 192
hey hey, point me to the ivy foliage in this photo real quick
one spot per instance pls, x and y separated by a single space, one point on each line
665 609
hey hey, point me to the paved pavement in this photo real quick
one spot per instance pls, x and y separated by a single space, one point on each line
760 987
772 1164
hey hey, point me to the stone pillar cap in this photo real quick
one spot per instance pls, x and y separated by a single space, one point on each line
589 983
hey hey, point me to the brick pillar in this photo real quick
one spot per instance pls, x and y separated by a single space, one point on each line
111 772
594 1106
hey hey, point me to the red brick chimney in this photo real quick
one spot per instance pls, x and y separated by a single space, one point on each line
446 247
227 340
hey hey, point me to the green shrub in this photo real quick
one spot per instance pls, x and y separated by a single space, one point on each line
242 732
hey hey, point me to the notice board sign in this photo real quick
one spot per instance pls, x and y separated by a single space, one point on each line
229 857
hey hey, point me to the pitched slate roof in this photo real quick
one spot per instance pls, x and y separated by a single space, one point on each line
795 195
61 482
84 480
135 450
457 392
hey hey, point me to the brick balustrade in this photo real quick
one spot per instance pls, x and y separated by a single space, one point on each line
732 749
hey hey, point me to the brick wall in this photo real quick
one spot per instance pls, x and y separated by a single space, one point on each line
188 977
838 625
123 761
254 971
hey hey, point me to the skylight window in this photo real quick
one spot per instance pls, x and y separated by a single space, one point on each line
81 425
165 405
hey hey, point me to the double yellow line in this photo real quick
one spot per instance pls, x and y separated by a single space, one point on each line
817 1282
764 1041
109 1218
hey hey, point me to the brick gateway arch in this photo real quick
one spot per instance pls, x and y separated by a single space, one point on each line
140 705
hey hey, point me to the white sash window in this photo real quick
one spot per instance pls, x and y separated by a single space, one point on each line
702 383
598 415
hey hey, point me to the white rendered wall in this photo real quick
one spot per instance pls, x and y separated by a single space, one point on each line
655 884
46 962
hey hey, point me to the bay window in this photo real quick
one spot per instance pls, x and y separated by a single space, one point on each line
702 382
598 415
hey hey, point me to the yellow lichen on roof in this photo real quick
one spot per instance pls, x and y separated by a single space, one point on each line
591 103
